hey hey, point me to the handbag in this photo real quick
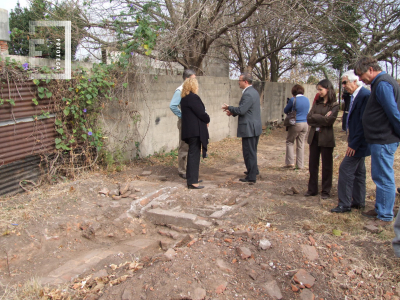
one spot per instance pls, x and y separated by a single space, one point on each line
290 119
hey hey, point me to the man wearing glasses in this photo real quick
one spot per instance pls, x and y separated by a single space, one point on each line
352 173
381 121
249 124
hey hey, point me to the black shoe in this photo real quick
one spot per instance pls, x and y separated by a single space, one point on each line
325 196
398 190
192 187
247 173
182 176
199 181
308 194
357 206
341 209
247 180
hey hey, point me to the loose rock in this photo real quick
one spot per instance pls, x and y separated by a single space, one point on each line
127 294
295 190
372 228
199 294
223 265
104 191
310 252
124 188
170 254
273 290
243 252
302 277
221 287
306 295
126 194
265 244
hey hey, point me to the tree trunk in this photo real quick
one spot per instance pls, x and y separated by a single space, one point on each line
340 86
274 68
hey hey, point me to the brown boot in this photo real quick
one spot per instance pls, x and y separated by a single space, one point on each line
382 223
370 214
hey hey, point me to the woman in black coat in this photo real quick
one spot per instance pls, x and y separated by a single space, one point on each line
194 130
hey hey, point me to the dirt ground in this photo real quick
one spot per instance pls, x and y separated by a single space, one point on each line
230 240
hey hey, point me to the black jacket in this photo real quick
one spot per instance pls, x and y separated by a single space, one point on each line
194 120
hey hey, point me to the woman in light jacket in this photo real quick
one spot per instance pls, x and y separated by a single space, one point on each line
194 130
299 130
321 139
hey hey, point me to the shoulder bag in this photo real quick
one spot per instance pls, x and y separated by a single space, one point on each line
290 119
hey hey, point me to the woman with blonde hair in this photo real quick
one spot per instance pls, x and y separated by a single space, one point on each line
194 130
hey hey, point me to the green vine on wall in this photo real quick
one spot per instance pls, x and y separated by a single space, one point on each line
79 102
76 102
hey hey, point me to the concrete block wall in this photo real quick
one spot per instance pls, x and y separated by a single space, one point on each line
215 91
275 98
157 130
158 126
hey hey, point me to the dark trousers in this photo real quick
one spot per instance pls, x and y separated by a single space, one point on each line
351 183
249 149
193 160
327 167
344 121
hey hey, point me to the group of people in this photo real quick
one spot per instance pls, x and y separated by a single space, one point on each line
372 126
193 123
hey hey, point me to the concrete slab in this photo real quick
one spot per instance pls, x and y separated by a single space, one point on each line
144 244
162 217
86 261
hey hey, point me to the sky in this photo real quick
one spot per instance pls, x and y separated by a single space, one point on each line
11 4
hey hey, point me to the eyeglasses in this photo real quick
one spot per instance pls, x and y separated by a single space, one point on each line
241 80
344 82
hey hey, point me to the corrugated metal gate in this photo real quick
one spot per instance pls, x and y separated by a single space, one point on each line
26 130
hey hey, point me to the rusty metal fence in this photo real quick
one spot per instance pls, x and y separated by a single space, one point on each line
26 131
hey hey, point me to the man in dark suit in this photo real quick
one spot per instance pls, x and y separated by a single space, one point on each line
352 173
249 126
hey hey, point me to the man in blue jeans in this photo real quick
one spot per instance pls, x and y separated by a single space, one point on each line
381 122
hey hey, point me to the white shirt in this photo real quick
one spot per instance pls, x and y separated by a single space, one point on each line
356 92
245 89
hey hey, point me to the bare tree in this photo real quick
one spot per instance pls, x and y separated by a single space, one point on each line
169 30
265 43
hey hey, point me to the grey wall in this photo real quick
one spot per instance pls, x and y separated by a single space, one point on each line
157 130
4 25
275 97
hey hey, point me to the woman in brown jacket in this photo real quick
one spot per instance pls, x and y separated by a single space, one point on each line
321 138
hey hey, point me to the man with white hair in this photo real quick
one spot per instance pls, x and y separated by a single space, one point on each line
351 185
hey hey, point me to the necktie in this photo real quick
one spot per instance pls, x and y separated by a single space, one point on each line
348 114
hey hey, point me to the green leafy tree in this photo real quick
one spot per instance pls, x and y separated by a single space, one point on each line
54 37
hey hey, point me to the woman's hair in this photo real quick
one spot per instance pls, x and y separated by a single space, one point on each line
297 89
326 84
190 85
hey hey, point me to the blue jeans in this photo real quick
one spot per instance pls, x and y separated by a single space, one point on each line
382 158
